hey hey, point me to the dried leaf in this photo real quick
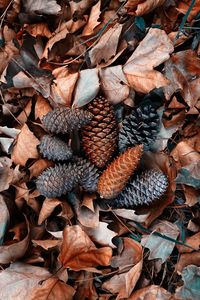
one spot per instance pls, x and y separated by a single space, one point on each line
192 241
26 146
42 107
87 87
77 246
10 253
114 84
106 48
48 7
48 207
39 166
124 283
93 19
101 234
142 7
187 259
160 247
5 218
6 173
153 50
47 244
152 292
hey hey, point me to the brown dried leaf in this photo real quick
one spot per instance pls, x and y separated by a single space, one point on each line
77 246
26 146
152 292
106 48
153 50
63 86
47 244
187 259
183 7
11 253
124 283
87 87
39 166
191 195
42 107
40 29
6 173
5 218
142 7
192 241
48 207
114 84
6 55
79 7
183 70
85 289
93 19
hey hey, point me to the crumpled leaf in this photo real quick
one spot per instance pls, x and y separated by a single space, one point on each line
87 87
42 107
101 234
187 259
192 241
48 7
142 7
106 47
23 281
124 283
114 84
190 289
152 292
12 252
153 50
77 246
160 247
182 69
47 244
183 7
48 207
25 147
6 173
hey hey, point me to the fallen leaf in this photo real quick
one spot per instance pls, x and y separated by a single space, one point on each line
106 48
11 132
191 195
6 144
48 7
87 87
124 283
77 246
187 259
40 29
190 289
63 86
48 207
152 292
26 146
114 84
86 289
182 69
130 214
6 173
11 253
93 19
39 166
101 234
160 247
6 54
47 244
183 7
153 50
79 8
31 282
192 241
42 107
142 7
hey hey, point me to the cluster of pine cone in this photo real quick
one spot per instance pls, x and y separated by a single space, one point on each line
101 140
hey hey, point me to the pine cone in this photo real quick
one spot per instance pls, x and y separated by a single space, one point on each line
114 178
64 119
140 127
89 175
144 189
99 136
55 149
56 181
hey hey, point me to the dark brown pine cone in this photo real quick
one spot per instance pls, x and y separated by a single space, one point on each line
99 136
53 148
64 119
144 189
57 181
89 175
140 127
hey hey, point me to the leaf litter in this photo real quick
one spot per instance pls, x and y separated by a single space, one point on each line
77 246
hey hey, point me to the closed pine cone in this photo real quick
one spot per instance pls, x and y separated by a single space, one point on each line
63 119
99 136
89 175
55 149
114 178
143 190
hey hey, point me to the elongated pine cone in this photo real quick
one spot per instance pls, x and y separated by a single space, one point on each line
53 148
57 181
114 178
140 127
99 136
89 175
64 119
144 189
